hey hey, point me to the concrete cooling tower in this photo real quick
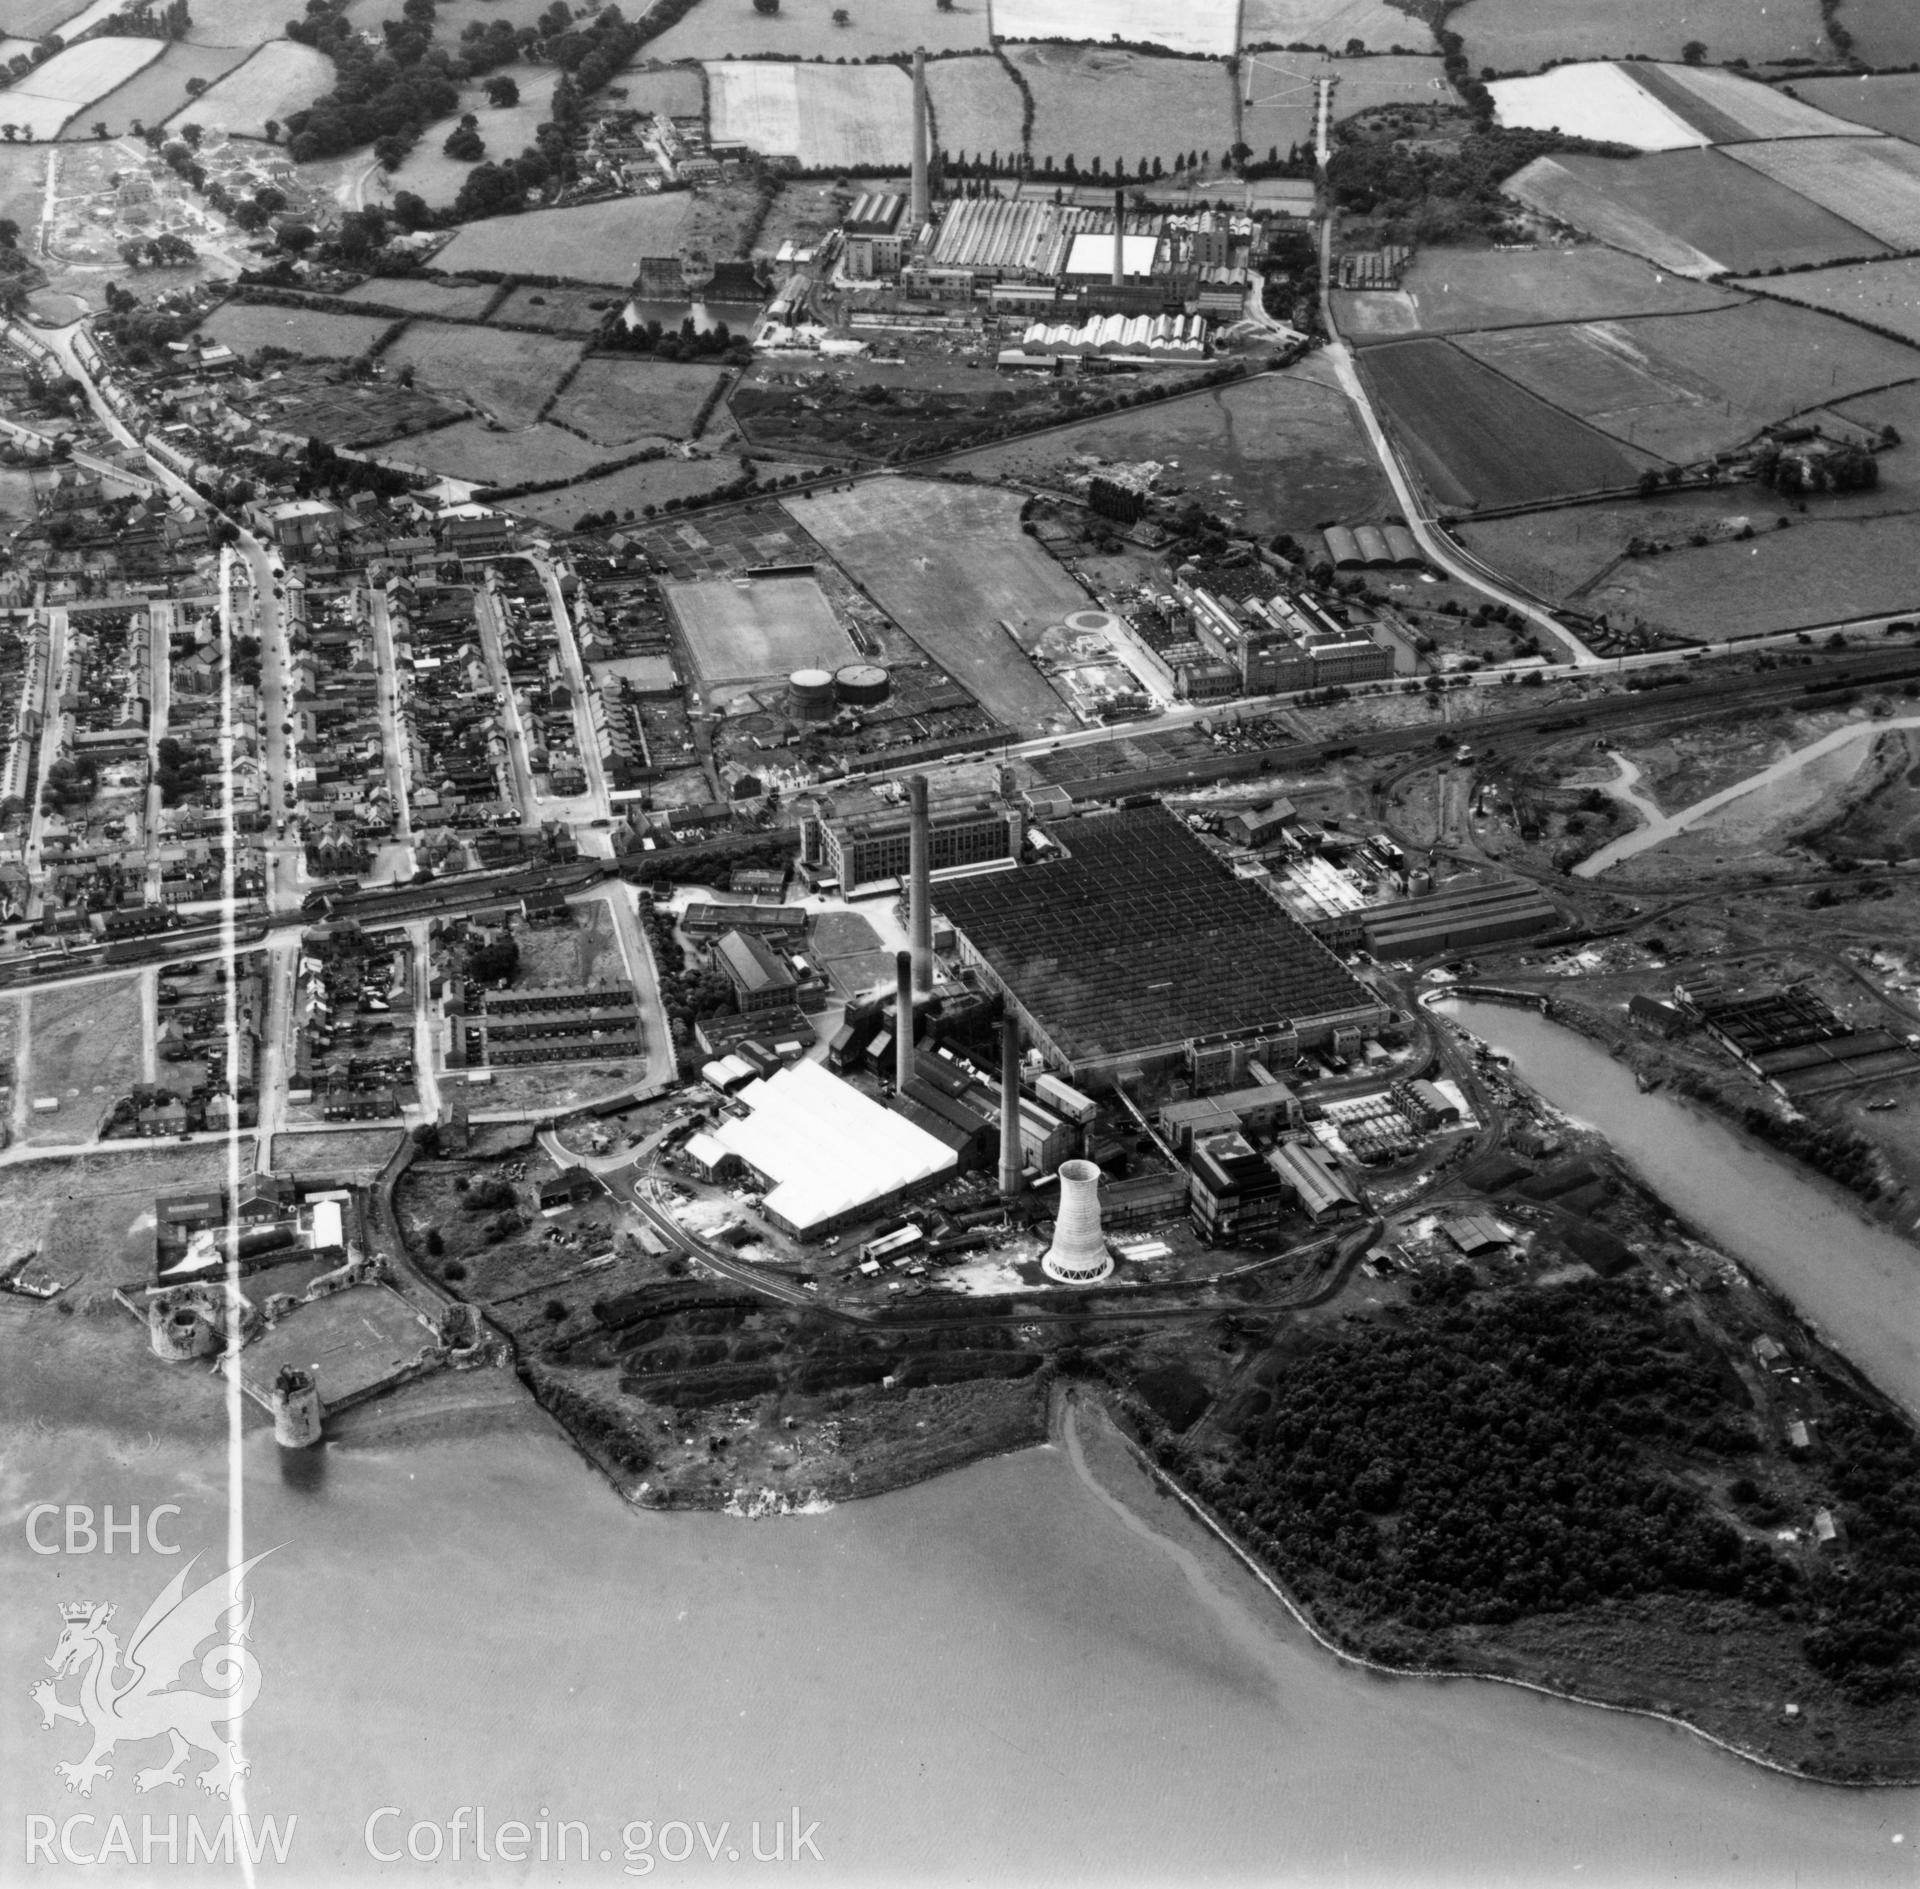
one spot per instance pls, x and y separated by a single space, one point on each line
1078 1254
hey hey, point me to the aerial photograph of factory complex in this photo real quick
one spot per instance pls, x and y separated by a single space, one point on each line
869 807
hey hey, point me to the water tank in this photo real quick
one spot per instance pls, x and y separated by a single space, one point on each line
1419 884
810 695
861 685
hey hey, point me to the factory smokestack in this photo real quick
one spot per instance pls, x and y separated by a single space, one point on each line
1079 1252
902 1020
920 885
1119 238
922 208
1010 1164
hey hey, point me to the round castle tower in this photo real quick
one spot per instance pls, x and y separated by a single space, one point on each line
179 1329
297 1411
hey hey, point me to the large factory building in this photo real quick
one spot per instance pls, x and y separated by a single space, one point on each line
1137 950
874 849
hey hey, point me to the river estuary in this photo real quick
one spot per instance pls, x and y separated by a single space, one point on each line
1034 1670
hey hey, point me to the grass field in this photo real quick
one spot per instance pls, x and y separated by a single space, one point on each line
767 627
1696 212
1884 293
471 450
83 1045
1280 90
1874 183
558 311
158 89
950 565
245 326
1886 101
1522 35
1686 386
634 488
829 117
277 81
801 29
1821 572
1479 439
508 375
1122 106
1287 448
1454 291
33 19
435 177
594 242
618 401
976 107
66 84
23 185
427 295
1330 23
675 90
1885 32
1192 26
231 23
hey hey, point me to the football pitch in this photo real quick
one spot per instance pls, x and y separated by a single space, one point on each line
738 630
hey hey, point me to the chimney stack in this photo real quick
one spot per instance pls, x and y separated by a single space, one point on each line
902 1020
1119 238
922 208
920 885
1011 1177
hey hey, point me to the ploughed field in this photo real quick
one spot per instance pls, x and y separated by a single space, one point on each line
1479 439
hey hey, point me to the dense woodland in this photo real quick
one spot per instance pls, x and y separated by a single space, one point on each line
1504 1456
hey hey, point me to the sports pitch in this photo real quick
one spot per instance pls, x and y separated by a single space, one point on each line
747 629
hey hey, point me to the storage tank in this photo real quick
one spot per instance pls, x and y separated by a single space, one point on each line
810 695
861 685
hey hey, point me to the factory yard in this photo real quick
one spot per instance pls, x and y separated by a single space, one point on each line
951 565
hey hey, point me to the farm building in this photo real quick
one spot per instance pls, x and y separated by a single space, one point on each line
1136 943
826 1153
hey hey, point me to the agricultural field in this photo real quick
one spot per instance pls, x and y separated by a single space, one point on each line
158 90
1190 26
1695 212
804 29
1332 24
1885 32
617 401
1687 386
1592 101
976 106
1279 92
42 102
474 452
1827 571
83 1046
1874 183
228 23
1523 35
1731 109
558 311
1887 294
951 565
770 626
23 185
1122 107
594 242
828 117
675 90
307 332
1455 291
1478 439
354 413
435 177
635 489
1885 101
280 79
34 19
427 295
507 375
1281 453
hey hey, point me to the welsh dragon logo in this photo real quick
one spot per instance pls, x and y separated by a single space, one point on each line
138 1696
